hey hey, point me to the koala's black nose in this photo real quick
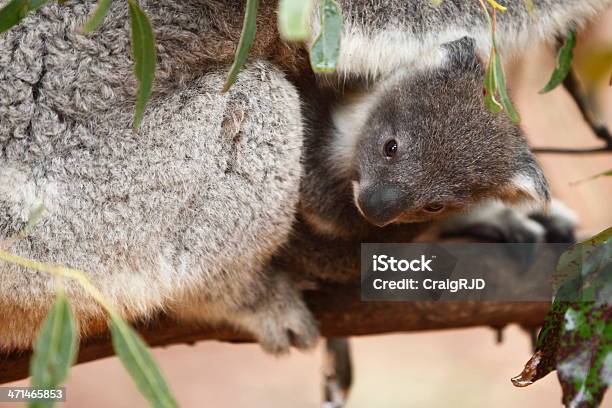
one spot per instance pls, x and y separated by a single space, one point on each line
380 205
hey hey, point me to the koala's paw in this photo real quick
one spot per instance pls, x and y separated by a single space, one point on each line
500 223
559 223
278 329
493 222
281 320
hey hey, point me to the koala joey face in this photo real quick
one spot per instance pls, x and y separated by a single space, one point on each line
428 147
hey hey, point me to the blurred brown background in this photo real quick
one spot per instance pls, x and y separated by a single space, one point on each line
462 368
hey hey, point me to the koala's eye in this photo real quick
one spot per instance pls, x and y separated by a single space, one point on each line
390 148
433 208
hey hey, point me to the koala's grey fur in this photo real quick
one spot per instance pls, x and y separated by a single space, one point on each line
380 36
185 215
182 216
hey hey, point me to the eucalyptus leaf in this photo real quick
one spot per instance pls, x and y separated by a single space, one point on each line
490 86
34 5
564 63
576 338
572 262
145 58
136 358
595 66
606 173
97 17
55 349
584 358
325 50
247 38
16 10
495 81
294 18
500 81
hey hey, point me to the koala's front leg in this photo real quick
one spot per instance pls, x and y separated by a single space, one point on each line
269 307
499 222
246 187
279 318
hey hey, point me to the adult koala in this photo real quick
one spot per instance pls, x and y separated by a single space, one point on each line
182 216
185 215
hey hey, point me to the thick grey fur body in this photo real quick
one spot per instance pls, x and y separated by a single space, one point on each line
185 215
182 216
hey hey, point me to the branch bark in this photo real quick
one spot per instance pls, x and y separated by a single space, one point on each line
340 312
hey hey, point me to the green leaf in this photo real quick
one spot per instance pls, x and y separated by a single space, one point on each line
97 17
139 363
294 18
34 5
16 10
594 66
247 37
576 338
325 50
55 349
500 81
606 173
491 87
579 263
564 63
145 58
585 350
495 80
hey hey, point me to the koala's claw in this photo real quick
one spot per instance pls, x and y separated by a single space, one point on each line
559 222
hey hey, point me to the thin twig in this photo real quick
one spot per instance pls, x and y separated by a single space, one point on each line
571 84
561 150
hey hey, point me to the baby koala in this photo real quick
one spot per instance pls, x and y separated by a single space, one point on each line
418 147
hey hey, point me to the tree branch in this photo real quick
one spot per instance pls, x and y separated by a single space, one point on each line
340 312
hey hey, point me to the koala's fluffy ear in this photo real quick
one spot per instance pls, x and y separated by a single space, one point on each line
462 52
527 185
